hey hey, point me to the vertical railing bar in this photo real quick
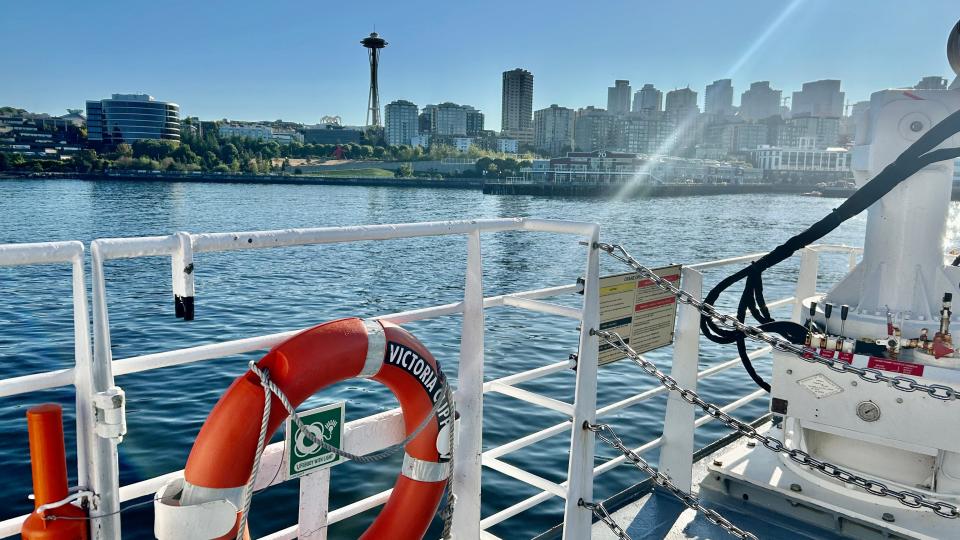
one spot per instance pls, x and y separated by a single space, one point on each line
576 518
82 383
467 465
104 474
678 421
806 281
314 505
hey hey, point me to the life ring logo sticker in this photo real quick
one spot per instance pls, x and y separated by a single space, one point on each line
302 455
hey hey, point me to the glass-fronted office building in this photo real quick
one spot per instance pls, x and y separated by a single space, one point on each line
130 117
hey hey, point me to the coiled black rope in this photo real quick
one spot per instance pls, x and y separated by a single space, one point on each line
920 154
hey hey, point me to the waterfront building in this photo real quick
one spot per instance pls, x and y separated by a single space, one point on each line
648 98
39 136
618 97
131 117
259 132
553 129
400 122
805 156
507 146
331 134
603 168
718 98
760 102
818 98
517 105
592 129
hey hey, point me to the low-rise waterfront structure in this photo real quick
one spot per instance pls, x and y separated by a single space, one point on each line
259 132
602 168
125 118
331 134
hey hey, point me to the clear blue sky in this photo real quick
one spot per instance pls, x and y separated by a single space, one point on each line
300 60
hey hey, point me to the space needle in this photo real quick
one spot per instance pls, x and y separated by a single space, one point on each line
373 43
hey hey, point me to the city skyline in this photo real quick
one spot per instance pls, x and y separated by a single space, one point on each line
211 71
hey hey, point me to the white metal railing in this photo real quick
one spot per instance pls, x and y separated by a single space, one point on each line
97 461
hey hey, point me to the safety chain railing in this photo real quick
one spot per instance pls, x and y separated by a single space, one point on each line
907 498
270 387
904 384
606 434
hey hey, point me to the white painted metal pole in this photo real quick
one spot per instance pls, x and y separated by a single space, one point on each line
314 505
806 281
104 473
467 466
82 371
676 454
181 263
577 519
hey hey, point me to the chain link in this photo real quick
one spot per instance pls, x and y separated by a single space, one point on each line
907 498
899 382
606 434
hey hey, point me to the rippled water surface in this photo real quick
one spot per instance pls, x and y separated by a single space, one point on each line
243 294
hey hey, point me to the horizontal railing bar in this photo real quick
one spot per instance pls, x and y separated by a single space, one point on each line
728 261
531 374
532 397
358 507
525 476
534 500
40 253
835 248
128 248
543 307
781 302
36 381
290 533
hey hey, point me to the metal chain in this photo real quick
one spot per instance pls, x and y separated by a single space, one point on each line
906 498
899 382
601 512
606 434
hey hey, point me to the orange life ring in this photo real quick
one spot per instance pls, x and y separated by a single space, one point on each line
223 453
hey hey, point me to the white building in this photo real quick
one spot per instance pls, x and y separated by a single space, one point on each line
462 144
400 122
259 133
508 146
805 157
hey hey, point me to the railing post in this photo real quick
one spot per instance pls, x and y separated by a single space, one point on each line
676 454
314 505
576 518
82 384
469 399
806 281
104 474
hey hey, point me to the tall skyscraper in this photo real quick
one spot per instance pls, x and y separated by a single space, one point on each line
681 99
474 121
400 122
618 97
553 129
818 98
760 102
517 105
648 98
592 130
718 99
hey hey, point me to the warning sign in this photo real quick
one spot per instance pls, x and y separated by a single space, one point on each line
304 456
640 312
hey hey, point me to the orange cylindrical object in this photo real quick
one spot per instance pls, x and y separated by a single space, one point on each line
48 463
48 459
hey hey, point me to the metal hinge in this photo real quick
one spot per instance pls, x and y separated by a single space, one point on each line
110 413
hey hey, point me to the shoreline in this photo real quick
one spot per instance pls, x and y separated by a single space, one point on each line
488 188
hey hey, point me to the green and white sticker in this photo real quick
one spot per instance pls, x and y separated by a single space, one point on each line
304 456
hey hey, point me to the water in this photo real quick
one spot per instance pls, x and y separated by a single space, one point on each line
242 294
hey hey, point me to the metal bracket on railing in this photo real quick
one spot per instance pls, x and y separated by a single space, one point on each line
183 286
110 413
78 494
212 519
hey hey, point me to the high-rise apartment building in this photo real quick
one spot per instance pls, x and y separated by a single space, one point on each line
648 98
401 123
818 98
553 129
760 102
131 117
718 98
618 97
682 99
474 121
592 130
517 105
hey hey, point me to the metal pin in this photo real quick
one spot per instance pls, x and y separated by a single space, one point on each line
844 311
827 311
